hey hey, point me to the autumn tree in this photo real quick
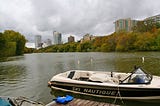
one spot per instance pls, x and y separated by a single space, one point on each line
145 42
146 26
125 42
110 44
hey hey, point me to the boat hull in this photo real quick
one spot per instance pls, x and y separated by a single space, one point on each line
109 91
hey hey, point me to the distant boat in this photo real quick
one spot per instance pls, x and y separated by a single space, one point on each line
18 101
135 85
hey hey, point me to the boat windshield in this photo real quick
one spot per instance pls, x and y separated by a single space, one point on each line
138 76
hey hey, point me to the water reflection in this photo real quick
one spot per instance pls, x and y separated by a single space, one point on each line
12 78
6 59
28 75
11 73
126 63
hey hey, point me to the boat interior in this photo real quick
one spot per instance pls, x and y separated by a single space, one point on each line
138 76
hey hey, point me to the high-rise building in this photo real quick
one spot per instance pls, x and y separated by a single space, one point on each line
125 25
155 18
57 38
38 41
71 39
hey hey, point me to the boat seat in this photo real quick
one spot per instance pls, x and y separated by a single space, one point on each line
104 78
81 75
120 76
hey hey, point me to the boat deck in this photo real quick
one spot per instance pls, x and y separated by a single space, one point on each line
81 102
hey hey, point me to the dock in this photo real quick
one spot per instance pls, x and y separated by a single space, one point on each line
82 102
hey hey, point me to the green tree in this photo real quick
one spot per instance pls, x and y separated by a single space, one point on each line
86 46
158 25
61 48
72 47
79 48
20 44
104 48
14 43
2 41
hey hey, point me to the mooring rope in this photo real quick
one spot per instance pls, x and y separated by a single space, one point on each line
118 95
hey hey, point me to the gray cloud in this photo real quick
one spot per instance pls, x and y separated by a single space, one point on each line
77 17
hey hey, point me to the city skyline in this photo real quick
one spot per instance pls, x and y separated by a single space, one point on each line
71 17
121 24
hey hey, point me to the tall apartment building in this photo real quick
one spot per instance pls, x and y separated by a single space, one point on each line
71 39
125 24
57 38
38 41
155 18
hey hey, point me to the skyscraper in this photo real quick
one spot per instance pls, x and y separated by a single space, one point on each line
57 38
38 42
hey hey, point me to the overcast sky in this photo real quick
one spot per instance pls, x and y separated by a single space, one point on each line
70 17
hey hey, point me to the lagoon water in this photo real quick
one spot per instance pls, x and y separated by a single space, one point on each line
28 75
